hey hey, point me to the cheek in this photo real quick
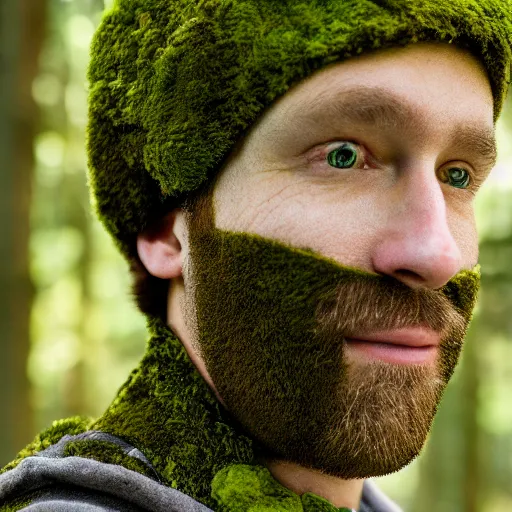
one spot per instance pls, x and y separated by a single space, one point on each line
340 226
462 226
345 229
341 219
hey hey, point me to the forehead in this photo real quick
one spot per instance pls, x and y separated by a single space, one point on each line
425 87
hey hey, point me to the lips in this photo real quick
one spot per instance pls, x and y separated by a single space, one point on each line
406 336
409 345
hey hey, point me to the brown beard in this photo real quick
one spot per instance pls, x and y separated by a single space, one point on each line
271 324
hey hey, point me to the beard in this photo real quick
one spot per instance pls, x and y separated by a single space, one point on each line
271 323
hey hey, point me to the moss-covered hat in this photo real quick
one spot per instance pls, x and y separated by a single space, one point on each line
174 84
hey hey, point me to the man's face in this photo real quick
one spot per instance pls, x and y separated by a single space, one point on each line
390 211
369 168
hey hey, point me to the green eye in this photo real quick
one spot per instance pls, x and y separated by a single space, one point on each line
457 177
343 157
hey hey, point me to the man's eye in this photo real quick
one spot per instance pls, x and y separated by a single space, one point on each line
344 156
456 177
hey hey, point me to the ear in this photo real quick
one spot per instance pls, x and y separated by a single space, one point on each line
160 246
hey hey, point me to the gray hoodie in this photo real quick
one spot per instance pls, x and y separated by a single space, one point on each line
48 481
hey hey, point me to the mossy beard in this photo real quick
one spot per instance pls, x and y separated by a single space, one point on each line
271 323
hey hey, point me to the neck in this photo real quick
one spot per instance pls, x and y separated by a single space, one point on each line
167 410
341 493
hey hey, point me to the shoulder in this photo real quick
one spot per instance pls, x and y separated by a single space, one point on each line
78 484
58 429
57 478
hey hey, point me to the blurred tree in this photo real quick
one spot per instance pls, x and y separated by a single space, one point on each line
450 478
21 36
86 333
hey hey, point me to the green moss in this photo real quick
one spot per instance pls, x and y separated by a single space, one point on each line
175 84
106 452
51 435
168 411
464 297
242 488
313 503
18 504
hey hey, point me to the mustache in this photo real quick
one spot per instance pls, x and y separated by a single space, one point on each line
362 305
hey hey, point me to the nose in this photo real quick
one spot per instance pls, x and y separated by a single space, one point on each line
416 245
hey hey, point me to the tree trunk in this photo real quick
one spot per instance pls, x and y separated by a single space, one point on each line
21 37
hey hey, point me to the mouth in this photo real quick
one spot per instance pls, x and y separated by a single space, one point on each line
409 345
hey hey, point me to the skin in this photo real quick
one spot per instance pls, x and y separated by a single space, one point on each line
394 216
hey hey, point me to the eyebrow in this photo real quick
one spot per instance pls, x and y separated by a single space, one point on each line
387 111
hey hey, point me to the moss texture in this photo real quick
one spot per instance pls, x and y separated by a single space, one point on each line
258 303
243 488
167 410
16 505
58 429
106 452
174 84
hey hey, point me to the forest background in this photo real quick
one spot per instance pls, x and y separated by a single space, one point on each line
70 333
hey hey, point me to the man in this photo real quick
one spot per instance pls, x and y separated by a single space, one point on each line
293 186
